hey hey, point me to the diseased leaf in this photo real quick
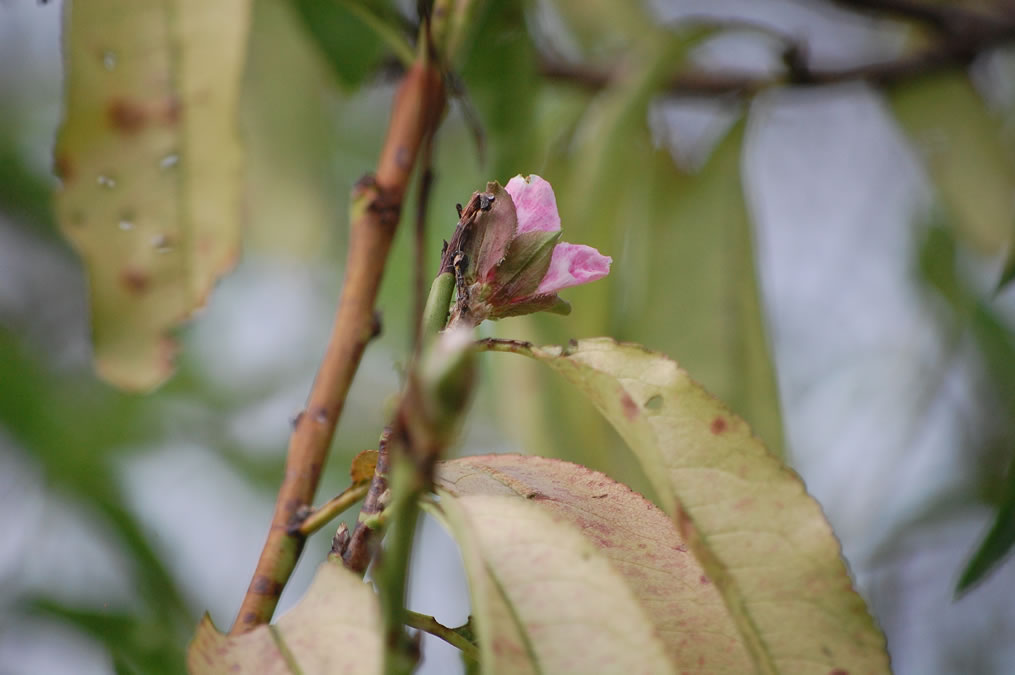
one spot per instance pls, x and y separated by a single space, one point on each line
748 519
149 161
545 599
639 540
335 628
962 146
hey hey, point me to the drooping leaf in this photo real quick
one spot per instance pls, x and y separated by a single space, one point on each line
639 540
349 34
545 599
963 148
996 545
748 519
694 289
149 160
335 628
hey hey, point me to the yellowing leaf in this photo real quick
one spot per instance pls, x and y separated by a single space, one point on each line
639 540
149 162
362 467
962 146
545 599
335 628
748 519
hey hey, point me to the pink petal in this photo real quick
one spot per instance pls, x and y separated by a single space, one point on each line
573 264
534 203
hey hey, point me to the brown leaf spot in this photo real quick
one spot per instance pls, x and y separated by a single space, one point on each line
603 496
718 425
838 671
125 116
536 496
134 280
63 168
630 407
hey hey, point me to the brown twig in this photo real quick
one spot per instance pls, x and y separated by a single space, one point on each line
358 553
377 206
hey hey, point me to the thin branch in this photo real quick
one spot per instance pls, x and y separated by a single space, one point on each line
944 18
358 553
456 637
376 211
964 45
333 508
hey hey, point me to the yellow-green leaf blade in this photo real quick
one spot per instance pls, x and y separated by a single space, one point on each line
545 599
761 538
149 161
639 540
335 628
962 146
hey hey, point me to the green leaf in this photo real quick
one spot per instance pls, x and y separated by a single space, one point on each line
998 543
747 517
963 148
639 540
545 599
335 628
349 33
150 161
694 286
524 266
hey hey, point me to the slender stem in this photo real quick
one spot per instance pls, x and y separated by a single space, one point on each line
453 636
332 509
406 486
375 214
419 243
357 554
500 345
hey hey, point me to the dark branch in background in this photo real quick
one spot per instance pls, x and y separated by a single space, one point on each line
964 36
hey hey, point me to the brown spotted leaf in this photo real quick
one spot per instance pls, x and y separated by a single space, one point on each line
759 536
545 598
149 163
640 541
335 628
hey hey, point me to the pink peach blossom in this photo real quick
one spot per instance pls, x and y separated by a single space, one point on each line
572 265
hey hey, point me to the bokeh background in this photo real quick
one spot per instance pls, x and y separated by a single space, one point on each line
824 258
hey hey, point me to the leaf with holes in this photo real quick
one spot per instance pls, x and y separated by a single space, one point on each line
638 540
746 517
149 163
335 628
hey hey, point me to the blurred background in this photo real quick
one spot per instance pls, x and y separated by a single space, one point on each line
810 207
